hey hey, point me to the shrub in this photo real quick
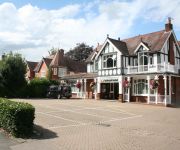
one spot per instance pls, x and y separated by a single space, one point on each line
37 88
16 117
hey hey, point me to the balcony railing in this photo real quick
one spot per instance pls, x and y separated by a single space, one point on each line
152 68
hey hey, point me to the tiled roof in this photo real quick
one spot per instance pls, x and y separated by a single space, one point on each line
120 45
94 51
31 65
154 41
47 61
60 60
80 75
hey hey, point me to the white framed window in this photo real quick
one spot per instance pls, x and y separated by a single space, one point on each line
143 58
62 72
151 60
109 61
140 87
55 71
135 62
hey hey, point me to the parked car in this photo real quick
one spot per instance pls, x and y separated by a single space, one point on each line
59 91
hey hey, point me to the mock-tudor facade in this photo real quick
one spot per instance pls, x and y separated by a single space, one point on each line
144 68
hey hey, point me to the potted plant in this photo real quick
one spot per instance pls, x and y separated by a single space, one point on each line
78 85
126 84
154 84
92 85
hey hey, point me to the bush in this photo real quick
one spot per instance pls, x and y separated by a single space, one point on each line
16 117
37 88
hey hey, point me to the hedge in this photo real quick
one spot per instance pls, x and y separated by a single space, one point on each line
16 117
37 88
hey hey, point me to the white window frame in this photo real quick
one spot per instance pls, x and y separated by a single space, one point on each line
104 61
55 71
136 87
62 72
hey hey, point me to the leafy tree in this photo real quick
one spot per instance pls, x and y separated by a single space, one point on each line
12 72
52 51
80 52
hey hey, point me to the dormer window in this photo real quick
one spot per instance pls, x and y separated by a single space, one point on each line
109 61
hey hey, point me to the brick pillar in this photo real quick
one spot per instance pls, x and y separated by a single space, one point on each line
98 96
120 97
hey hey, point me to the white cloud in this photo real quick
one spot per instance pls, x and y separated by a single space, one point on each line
32 30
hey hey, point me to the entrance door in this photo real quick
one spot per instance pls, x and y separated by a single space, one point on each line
109 90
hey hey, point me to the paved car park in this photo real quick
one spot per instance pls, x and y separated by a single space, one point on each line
107 125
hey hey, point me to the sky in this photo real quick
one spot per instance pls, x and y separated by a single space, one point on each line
33 27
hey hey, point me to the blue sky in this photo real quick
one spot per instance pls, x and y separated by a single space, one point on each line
35 26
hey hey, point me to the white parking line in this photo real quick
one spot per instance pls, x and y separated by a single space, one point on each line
99 108
60 117
77 125
138 116
113 120
88 114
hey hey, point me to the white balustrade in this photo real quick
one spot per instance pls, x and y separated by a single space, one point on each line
152 68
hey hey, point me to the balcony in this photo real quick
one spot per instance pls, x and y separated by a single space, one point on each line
159 68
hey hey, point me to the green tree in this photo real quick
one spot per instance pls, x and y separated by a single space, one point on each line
80 52
52 51
12 70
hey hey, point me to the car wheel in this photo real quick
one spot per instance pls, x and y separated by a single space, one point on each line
59 96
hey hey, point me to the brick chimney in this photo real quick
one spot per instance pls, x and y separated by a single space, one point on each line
61 52
168 25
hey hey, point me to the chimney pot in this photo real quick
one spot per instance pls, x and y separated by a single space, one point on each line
119 39
107 35
169 25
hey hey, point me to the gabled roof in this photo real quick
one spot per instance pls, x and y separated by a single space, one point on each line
154 41
120 45
142 44
31 65
96 50
47 61
60 60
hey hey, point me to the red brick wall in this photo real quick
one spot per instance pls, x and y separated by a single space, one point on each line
161 86
43 67
54 77
177 89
